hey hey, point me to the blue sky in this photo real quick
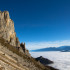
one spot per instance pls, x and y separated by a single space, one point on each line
40 21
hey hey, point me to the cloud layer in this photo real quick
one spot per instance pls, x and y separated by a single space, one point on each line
39 45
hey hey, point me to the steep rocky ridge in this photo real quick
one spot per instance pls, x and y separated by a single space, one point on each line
7 30
19 59
13 55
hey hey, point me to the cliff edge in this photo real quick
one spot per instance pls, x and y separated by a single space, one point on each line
13 55
7 30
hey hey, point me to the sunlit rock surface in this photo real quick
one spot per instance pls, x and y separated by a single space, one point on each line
13 55
7 30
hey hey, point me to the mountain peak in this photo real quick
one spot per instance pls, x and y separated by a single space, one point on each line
7 30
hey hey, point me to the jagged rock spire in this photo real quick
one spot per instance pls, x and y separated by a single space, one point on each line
7 30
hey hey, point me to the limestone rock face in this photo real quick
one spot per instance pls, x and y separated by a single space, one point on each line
7 30
24 49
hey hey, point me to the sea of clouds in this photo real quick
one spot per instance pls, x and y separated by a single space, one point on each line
61 59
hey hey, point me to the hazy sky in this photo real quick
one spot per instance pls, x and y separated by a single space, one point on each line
39 21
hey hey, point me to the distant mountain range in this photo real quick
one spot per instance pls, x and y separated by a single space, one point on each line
61 48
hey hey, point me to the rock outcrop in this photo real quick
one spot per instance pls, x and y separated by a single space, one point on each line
7 30
13 55
24 49
44 61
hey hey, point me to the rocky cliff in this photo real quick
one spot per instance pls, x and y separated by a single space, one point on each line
7 30
13 55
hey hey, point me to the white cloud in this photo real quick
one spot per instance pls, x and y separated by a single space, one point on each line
39 45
